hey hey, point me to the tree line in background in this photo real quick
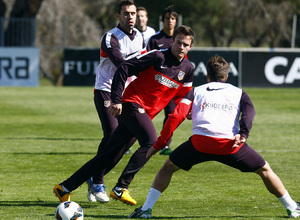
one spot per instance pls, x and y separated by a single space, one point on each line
216 23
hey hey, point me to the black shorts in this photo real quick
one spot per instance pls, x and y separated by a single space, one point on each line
245 160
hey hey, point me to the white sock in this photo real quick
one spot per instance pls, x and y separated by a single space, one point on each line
152 197
288 202
64 188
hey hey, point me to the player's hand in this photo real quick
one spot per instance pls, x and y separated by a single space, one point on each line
238 140
151 152
115 109
189 116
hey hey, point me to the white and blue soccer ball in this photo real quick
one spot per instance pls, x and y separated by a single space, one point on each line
69 211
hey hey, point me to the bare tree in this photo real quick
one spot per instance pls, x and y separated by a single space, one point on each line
280 30
102 11
254 21
59 24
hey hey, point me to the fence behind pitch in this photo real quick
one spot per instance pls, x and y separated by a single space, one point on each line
17 32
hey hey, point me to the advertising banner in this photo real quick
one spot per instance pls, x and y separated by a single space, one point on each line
19 66
199 59
79 66
270 69
247 68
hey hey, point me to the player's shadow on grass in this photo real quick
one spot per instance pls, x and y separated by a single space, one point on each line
52 139
55 204
28 203
55 153
126 217
186 217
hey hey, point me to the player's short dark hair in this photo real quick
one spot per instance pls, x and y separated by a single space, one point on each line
217 68
124 3
185 30
169 10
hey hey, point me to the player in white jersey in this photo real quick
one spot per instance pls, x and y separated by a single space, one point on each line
222 117
141 24
121 43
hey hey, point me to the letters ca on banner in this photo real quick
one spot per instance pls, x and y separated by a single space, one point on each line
19 67
271 69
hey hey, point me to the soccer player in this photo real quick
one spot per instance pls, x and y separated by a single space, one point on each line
161 76
121 43
141 24
162 40
146 31
222 116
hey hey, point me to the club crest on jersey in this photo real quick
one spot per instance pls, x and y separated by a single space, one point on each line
106 103
141 110
181 75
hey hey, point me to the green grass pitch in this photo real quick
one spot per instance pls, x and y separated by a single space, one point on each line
47 133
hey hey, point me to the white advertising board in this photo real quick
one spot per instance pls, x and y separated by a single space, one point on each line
19 66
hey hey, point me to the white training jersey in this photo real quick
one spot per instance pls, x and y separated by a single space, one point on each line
216 110
148 33
128 48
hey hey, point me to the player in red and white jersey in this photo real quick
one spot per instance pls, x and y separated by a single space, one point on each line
222 116
166 78
161 76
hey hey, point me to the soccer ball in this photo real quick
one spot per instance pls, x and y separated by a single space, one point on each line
69 211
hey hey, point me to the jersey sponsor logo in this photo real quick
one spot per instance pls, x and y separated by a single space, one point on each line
166 82
216 106
106 103
210 90
181 75
141 110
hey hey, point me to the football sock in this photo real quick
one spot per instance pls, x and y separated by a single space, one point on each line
288 202
64 188
152 197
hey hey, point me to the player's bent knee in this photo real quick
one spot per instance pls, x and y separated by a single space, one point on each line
265 168
170 166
